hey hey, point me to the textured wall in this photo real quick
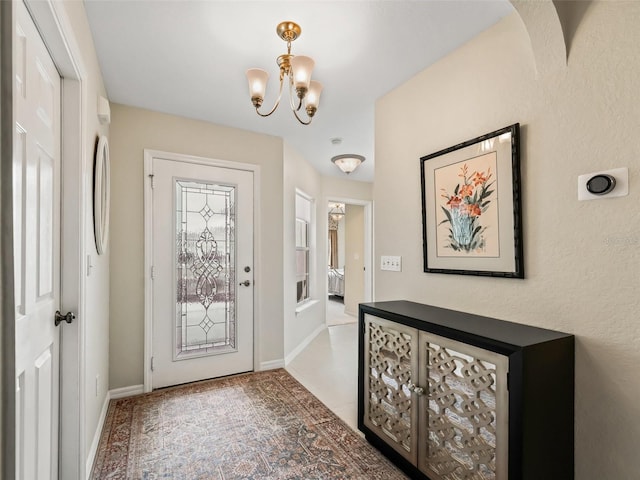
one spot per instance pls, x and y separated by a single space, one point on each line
299 174
339 188
341 244
354 258
133 130
581 258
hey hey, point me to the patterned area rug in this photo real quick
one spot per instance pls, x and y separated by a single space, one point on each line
254 426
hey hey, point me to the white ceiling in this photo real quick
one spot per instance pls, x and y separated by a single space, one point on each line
189 58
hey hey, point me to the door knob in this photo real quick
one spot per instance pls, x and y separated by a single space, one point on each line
59 318
246 283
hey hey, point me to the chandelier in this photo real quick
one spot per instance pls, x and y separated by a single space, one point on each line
336 211
296 69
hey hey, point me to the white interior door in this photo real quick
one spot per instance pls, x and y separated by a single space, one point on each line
36 182
202 241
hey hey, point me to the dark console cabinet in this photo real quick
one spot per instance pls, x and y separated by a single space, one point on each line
448 395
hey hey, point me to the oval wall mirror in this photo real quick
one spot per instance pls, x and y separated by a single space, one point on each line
101 195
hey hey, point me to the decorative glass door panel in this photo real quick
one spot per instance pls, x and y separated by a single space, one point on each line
390 361
465 413
200 236
205 269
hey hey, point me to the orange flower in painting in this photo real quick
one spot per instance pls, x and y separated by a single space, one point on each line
454 202
473 210
481 177
466 191
463 209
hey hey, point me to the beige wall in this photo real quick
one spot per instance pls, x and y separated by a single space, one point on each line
341 244
335 187
133 130
581 258
299 325
354 258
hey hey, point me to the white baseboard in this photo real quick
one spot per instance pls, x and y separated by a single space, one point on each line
93 449
126 391
111 395
349 312
272 364
302 345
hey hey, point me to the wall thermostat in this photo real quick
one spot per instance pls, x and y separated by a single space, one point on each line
601 184
605 184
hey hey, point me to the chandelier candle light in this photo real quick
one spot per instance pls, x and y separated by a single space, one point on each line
297 69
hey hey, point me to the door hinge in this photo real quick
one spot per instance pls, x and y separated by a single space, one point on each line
508 381
152 364
151 176
153 272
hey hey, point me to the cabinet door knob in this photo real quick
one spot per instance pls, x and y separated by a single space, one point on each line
412 387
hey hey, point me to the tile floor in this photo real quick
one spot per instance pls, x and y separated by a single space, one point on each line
336 314
328 368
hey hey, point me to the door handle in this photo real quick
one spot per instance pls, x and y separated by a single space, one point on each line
59 318
246 283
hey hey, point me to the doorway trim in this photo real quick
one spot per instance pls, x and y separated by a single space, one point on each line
368 243
58 35
7 296
149 156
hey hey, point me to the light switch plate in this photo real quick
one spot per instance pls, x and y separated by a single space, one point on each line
391 263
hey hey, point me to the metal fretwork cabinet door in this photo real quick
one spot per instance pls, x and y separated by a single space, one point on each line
463 431
390 364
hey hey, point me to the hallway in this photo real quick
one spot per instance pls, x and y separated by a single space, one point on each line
328 368
336 314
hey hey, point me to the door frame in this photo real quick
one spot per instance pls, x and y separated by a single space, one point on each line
58 35
368 243
149 156
7 296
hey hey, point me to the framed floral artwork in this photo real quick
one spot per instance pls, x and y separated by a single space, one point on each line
471 214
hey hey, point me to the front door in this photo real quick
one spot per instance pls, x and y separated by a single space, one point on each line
36 182
202 273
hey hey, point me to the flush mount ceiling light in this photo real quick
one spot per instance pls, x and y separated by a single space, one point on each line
297 71
348 162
